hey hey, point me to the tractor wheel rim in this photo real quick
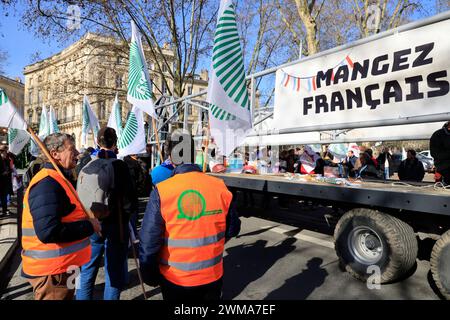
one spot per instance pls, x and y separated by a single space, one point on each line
365 245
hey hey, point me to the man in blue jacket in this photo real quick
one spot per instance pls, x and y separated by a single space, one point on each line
151 235
50 207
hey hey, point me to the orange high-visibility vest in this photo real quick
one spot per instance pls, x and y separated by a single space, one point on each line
42 259
194 207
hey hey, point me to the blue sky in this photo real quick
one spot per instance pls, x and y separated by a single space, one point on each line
20 44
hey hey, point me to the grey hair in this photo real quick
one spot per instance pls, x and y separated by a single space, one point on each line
56 141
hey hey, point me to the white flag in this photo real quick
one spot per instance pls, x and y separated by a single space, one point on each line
44 130
17 140
139 85
52 122
132 140
10 118
229 114
90 122
115 118
404 154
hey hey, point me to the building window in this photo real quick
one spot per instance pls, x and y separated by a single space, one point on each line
189 90
164 67
63 114
102 79
163 87
119 59
39 97
118 81
30 97
30 116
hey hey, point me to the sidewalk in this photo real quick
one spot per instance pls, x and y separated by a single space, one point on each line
8 235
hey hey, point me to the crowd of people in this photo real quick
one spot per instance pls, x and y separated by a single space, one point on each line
359 163
188 218
187 221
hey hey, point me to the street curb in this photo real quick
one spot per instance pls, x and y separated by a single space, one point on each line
5 263
8 255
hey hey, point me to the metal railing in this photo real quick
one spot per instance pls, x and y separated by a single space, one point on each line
328 129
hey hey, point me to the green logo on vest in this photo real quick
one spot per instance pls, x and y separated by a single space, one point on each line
192 206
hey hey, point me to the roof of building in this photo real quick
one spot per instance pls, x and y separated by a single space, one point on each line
89 36
16 81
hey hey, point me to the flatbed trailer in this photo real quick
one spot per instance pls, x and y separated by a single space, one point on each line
380 224
418 197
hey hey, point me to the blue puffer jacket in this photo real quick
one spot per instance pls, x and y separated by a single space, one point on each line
153 227
48 205
162 172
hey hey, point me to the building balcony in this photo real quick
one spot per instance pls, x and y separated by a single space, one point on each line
69 119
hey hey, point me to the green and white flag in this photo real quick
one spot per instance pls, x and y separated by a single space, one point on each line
10 118
18 137
115 118
132 140
139 84
17 140
53 123
229 114
44 130
90 122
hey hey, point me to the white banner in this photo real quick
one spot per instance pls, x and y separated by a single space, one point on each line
401 75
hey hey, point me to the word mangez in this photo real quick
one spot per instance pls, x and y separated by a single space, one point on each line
406 90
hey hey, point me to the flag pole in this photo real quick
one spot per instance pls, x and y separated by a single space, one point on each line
157 139
88 213
205 152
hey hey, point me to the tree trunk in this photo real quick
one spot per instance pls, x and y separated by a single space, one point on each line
309 21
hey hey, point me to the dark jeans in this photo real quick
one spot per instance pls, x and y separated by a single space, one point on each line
115 262
4 201
173 292
445 176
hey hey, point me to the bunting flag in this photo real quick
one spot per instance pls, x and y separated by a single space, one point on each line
132 140
349 61
17 140
229 114
90 122
115 118
44 131
293 82
52 122
139 84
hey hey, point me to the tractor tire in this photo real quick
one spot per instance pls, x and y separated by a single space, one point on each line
368 238
440 264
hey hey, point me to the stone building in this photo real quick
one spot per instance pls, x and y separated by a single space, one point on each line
96 66
15 91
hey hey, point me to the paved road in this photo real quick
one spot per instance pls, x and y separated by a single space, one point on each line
280 258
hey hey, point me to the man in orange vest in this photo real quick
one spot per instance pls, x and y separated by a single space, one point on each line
185 226
55 230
